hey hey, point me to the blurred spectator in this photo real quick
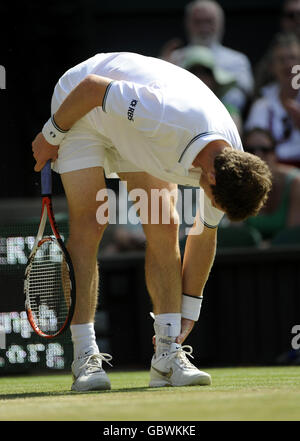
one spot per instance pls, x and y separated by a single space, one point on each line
290 24
282 208
204 23
123 235
199 60
278 110
290 17
124 239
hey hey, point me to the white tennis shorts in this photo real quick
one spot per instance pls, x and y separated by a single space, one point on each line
85 146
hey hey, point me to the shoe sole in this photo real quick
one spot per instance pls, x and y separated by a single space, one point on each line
87 389
91 386
164 384
198 381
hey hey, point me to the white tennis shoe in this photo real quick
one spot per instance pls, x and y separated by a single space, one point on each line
173 368
88 373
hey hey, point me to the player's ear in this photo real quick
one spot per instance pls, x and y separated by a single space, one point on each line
211 176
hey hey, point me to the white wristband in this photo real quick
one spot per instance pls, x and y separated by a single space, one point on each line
191 307
52 133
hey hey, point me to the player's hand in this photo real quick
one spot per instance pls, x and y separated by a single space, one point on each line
186 327
43 151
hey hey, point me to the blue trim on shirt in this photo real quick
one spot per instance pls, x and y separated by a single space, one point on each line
105 96
193 140
207 225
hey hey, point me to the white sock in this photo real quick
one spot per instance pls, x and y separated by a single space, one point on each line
173 320
167 328
84 340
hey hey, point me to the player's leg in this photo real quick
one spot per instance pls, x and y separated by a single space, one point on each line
169 365
81 187
162 257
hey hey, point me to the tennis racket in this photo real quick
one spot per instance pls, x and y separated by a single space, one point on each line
49 286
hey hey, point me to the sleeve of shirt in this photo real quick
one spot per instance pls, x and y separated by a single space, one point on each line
209 215
138 105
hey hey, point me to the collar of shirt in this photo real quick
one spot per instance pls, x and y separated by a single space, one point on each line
189 153
191 150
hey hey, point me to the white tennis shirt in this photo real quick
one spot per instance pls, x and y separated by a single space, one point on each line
157 116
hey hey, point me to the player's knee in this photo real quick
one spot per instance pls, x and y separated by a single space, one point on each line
87 225
162 236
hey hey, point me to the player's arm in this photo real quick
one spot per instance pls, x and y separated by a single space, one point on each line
87 95
199 255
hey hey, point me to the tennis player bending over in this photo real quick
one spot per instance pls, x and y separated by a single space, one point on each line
157 126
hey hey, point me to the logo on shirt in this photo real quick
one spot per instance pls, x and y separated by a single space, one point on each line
131 109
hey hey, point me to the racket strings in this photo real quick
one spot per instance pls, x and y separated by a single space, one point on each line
48 287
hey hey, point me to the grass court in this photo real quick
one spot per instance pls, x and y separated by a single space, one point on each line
237 394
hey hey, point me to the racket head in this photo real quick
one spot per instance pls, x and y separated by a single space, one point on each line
49 288
49 285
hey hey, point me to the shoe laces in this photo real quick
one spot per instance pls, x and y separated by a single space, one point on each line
181 356
94 362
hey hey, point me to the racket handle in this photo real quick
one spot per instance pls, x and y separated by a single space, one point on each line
46 179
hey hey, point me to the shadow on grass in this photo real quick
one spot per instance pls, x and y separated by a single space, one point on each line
72 393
